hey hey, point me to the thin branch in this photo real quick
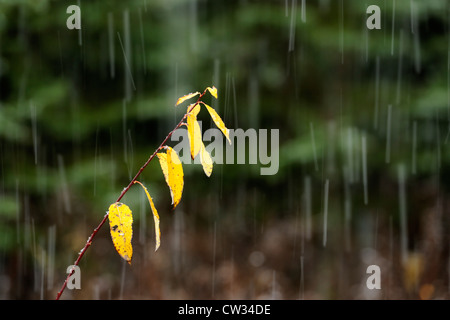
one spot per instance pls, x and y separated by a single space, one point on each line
124 191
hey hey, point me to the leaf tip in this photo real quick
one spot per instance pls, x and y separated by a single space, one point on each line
186 97
213 91
206 160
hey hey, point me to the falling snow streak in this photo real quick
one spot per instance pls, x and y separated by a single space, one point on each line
448 87
274 284
193 8
341 30
366 43
142 219
416 37
402 212
347 209
64 185
34 130
126 47
303 11
316 166
80 34
127 72
388 135
438 144
51 256
111 48
60 54
351 175
122 281
377 92
400 67
302 279
95 160
42 258
364 167
413 17
393 28
18 233
230 90
216 81
254 103
130 154
233 86
414 148
213 285
292 26
124 131
325 213
141 28
178 242
308 207
417 53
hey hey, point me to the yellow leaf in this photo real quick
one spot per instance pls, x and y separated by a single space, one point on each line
120 223
176 176
213 91
186 97
195 110
162 157
205 159
218 121
155 216
195 134
173 173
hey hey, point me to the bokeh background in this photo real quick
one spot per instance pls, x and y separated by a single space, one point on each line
364 123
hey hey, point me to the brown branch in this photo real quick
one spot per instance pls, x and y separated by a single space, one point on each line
124 191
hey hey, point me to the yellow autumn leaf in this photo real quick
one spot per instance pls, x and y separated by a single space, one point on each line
213 91
218 121
155 216
194 134
176 176
173 173
120 223
206 160
186 97
162 157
